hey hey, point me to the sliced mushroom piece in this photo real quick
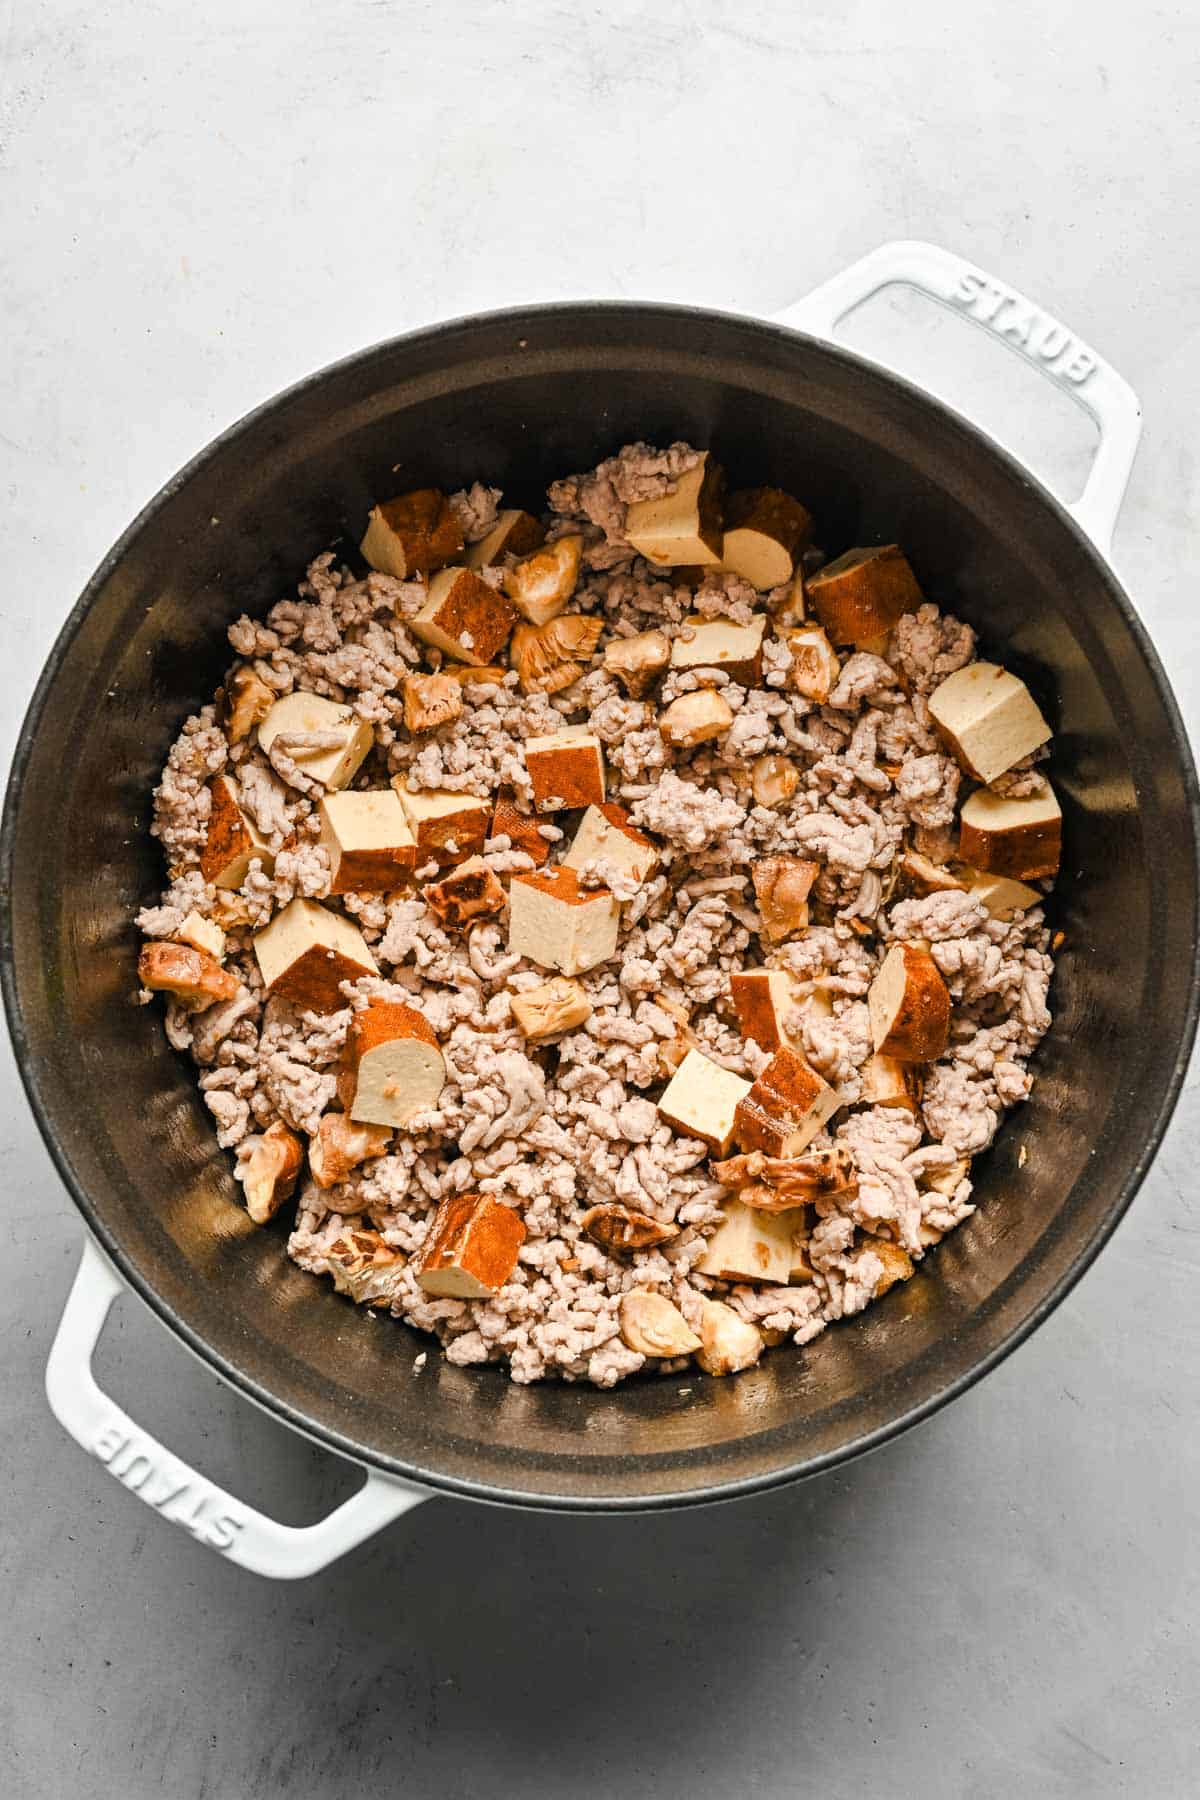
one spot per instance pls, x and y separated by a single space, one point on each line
341 1145
550 657
547 1011
192 977
638 661
815 666
653 1326
248 700
269 1174
540 585
619 1229
694 718
773 780
782 885
431 701
728 1343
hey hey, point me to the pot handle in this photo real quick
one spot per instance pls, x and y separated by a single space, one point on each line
999 309
179 1493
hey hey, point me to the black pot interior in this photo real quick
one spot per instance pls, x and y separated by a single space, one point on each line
514 400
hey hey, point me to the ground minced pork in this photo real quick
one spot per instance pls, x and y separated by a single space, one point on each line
554 1130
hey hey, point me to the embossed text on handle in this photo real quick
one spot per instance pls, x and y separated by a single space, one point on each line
1012 317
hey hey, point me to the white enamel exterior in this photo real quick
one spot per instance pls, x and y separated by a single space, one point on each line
143 1465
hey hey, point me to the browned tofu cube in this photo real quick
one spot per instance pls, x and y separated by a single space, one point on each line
471 1249
464 617
233 840
785 1108
566 768
413 534
863 594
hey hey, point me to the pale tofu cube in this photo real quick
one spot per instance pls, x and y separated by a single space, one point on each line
464 617
988 718
559 925
306 952
683 527
233 840
515 533
764 530
763 1000
1019 837
202 934
448 827
605 835
721 644
566 768
785 1108
326 740
471 1248
701 1099
752 1246
909 1006
392 1068
413 534
1001 896
370 844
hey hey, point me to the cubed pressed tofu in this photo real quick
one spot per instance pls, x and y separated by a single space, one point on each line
233 840
684 526
763 1000
307 951
785 1108
559 925
1002 896
464 617
326 740
540 585
606 835
566 768
765 529
920 876
815 666
471 1249
863 594
1019 837
413 534
752 1246
886 1081
369 842
988 718
523 832
700 1101
448 827
392 1068
515 533
909 1006
202 934
547 1011
736 650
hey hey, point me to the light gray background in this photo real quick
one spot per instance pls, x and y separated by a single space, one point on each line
199 205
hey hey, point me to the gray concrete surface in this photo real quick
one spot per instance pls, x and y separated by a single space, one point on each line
201 204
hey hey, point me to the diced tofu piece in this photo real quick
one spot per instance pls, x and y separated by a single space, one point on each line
471 891
431 701
392 1068
988 718
751 1246
464 617
763 999
694 718
728 1343
862 594
815 666
522 831
370 845
700 1101
192 977
566 768
606 835
341 738
638 661
559 925
554 1007
1020 838
683 526
515 533
412 535
233 840
341 1145
782 885
909 1006
922 877
306 952
448 827
721 644
202 934
540 585
1000 895
269 1174
764 530
889 1082
785 1108
471 1249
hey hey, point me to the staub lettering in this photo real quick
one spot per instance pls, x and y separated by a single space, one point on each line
1043 339
187 1501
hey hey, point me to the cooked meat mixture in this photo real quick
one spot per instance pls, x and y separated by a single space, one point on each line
613 932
